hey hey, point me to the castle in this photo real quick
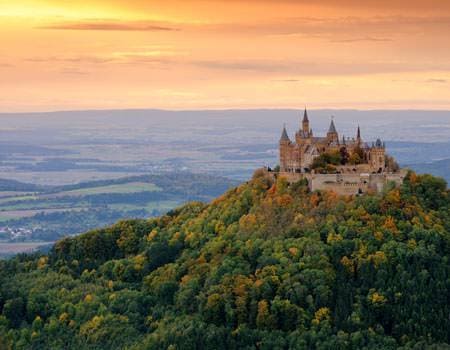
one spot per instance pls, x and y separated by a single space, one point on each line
344 165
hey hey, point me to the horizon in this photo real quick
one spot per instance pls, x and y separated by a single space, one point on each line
294 109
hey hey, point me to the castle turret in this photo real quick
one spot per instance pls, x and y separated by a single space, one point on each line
284 136
284 147
305 123
377 157
332 135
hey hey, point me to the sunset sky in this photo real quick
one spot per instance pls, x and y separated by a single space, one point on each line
198 54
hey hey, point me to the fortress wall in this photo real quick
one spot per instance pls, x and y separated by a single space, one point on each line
359 168
292 177
397 177
345 184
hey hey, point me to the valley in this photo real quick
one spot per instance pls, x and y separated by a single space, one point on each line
48 213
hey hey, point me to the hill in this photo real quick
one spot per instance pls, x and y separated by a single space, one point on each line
264 266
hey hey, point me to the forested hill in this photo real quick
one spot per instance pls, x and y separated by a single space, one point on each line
265 266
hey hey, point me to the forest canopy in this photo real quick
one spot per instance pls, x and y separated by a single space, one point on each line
268 265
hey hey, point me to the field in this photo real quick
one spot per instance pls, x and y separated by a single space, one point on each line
15 205
132 187
51 212
8 249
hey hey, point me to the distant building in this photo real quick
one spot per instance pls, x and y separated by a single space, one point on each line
359 166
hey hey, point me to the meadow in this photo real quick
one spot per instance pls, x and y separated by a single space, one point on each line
47 213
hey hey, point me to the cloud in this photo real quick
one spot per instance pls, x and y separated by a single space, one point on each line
111 25
243 65
126 57
426 81
342 29
366 38
71 59
319 68
286 80
438 81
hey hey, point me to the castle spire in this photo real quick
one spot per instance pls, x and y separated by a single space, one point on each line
358 135
305 116
332 128
305 124
332 135
284 135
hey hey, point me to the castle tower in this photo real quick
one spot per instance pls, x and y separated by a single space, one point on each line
377 157
284 146
332 135
305 123
358 136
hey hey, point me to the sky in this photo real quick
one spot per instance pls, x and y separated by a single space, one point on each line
220 54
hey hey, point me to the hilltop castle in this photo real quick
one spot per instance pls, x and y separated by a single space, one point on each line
343 165
298 156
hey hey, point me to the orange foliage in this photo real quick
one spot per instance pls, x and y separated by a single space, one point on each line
331 198
248 222
394 197
272 190
314 199
284 200
293 251
389 224
242 285
258 283
413 178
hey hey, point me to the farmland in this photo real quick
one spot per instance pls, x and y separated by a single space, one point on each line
8 249
51 212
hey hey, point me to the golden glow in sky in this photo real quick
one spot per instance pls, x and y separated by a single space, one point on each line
197 54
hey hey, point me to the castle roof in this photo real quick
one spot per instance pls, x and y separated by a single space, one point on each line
378 143
332 128
284 135
305 116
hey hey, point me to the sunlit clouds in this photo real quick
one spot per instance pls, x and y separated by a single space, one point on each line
224 54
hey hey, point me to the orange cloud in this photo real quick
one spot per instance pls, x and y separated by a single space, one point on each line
109 25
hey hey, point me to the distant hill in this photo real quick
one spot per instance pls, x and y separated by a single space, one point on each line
12 185
264 266
437 168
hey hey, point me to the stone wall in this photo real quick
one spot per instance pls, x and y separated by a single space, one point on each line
345 184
